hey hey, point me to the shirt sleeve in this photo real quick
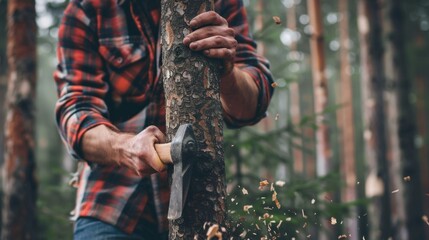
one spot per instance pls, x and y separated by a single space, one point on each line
248 60
80 79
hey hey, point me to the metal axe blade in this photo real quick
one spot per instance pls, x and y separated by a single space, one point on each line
183 152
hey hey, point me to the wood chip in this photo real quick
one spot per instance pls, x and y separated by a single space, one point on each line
425 219
280 183
244 191
262 184
214 232
277 20
333 221
247 207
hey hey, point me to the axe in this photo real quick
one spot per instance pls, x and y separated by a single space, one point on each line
181 152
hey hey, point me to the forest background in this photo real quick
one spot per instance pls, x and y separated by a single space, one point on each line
344 148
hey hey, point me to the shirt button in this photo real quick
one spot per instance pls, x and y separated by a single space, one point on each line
119 60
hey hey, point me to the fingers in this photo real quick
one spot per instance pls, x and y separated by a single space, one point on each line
213 42
209 31
149 155
207 18
159 135
212 36
221 53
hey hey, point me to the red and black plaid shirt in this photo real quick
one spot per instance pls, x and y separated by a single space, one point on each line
108 73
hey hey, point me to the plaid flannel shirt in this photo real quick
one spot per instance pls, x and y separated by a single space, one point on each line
108 73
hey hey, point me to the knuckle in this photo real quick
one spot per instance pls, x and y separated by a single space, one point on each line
212 14
218 40
234 43
230 32
151 129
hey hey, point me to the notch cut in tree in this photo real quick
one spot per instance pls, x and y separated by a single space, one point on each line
192 94
19 184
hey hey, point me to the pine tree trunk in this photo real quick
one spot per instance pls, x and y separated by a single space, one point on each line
295 110
192 96
346 120
3 73
402 123
323 150
373 85
320 83
3 85
19 183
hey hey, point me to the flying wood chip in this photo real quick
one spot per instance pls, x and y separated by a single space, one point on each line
247 207
274 84
214 232
277 20
262 184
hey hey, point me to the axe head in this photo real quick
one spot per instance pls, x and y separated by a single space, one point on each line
183 152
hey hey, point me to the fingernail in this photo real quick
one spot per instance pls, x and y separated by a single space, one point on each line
193 46
186 41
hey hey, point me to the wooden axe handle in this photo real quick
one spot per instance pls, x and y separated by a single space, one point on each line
164 152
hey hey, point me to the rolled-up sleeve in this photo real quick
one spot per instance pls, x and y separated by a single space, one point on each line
80 79
248 60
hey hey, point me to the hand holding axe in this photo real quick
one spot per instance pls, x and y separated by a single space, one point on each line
181 152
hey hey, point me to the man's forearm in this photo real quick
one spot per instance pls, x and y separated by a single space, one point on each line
239 95
99 145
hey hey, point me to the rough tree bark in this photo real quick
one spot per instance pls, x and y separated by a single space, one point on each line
373 85
192 96
346 120
402 124
19 183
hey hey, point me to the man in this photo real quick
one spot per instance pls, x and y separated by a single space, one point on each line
111 112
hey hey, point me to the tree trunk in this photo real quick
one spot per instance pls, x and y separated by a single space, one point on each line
3 85
323 150
320 83
295 110
346 120
19 183
373 83
192 96
402 123
3 73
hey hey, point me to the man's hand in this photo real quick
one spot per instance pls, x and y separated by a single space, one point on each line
213 37
137 152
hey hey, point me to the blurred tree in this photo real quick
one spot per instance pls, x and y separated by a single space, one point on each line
402 128
373 85
19 183
295 111
346 119
3 85
3 72
323 150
